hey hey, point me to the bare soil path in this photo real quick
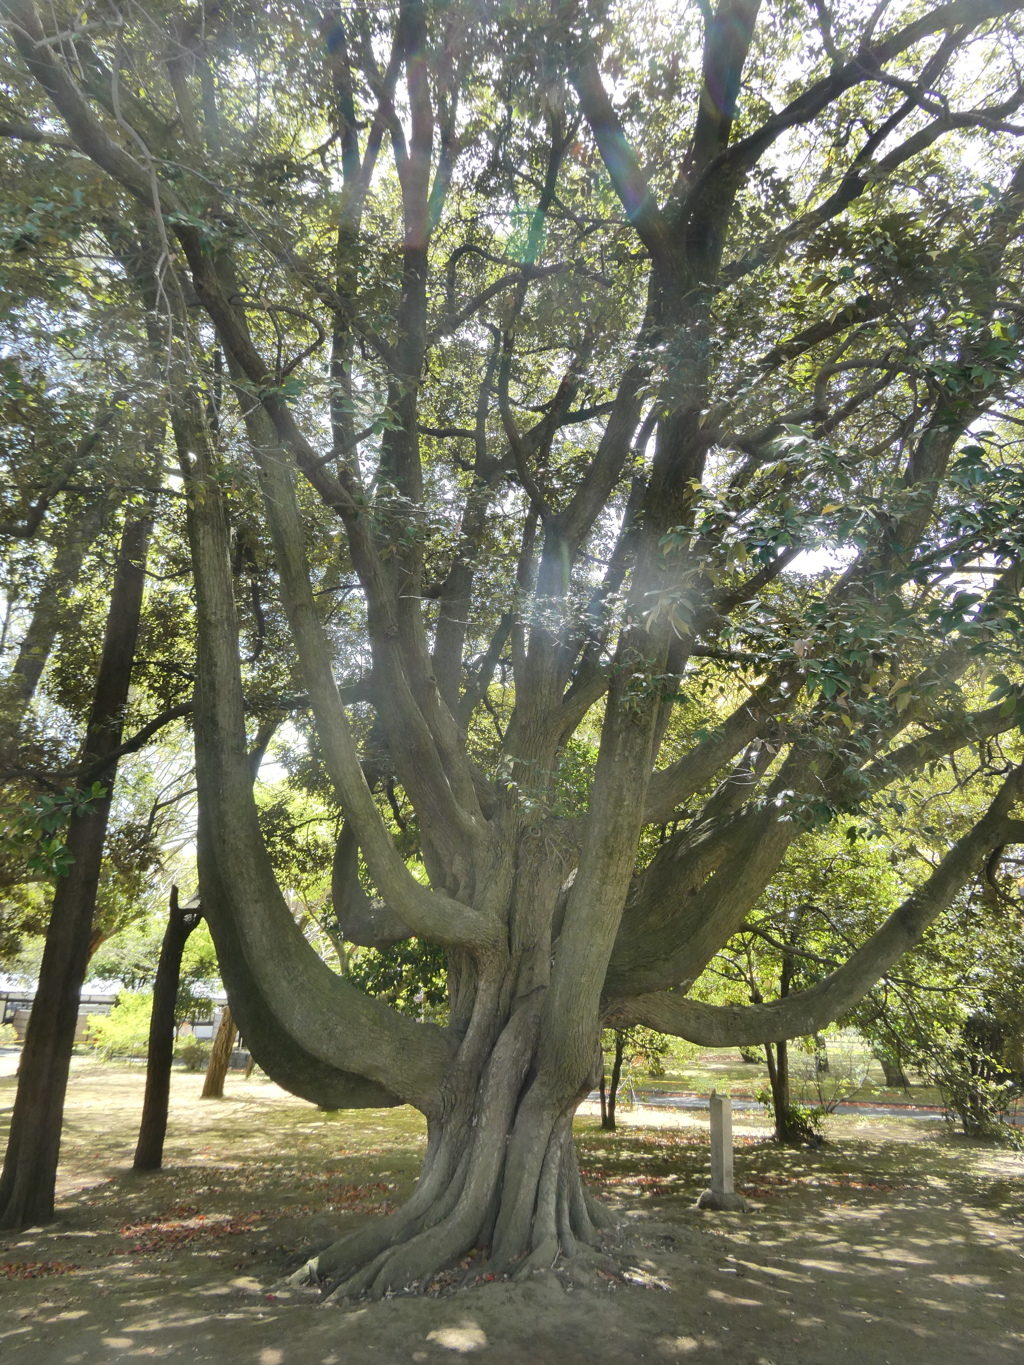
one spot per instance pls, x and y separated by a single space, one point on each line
897 1243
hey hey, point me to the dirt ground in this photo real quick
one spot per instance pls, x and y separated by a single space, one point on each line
896 1243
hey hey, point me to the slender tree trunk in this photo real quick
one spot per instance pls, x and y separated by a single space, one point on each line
604 1098
777 1057
220 1057
782 1088
30 1165
820 1055
787 1130
51 604
150 1148
613 1092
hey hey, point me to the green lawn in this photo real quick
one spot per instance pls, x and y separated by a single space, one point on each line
699 1071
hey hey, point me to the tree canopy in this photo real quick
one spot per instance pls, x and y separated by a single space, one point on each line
595 425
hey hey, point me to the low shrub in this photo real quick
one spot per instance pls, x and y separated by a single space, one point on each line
193 1052
124 1032
801 1123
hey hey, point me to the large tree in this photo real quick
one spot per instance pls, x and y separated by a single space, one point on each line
556 336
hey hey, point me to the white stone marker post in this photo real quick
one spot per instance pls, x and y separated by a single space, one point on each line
721 1194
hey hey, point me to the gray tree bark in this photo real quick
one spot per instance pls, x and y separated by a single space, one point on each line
550 927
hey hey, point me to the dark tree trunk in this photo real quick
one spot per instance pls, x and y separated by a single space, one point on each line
150 1148
892 1066
820 1055
608 1117
604 1098
777 1057
789 1130
30 1165
220 1057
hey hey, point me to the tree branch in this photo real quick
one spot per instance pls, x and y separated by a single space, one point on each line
27 132
627 177
731 165
726 44
808 1011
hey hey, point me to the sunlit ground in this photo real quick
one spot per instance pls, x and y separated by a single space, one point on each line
896 1243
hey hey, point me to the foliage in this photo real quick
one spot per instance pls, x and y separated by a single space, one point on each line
975 1083
643 1050
955 1010
596 456
34 829
410 976
824 1087
131 957
799 1123
978 1062
192 1052
22 918
124 1032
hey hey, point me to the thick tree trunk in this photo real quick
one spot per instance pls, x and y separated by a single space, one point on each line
220 1057
149 1150
500 1178
892 1066
30 1165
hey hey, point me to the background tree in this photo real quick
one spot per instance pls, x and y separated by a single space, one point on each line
953 1011
27 1183
530 404
640 1049
94 858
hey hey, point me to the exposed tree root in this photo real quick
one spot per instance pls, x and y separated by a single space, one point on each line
444 1222
500 1179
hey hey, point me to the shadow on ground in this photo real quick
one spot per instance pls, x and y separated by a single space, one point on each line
896 1244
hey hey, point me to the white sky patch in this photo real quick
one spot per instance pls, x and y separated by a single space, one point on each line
821 560
272 772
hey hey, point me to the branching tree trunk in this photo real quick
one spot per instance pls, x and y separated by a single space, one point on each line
560 464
